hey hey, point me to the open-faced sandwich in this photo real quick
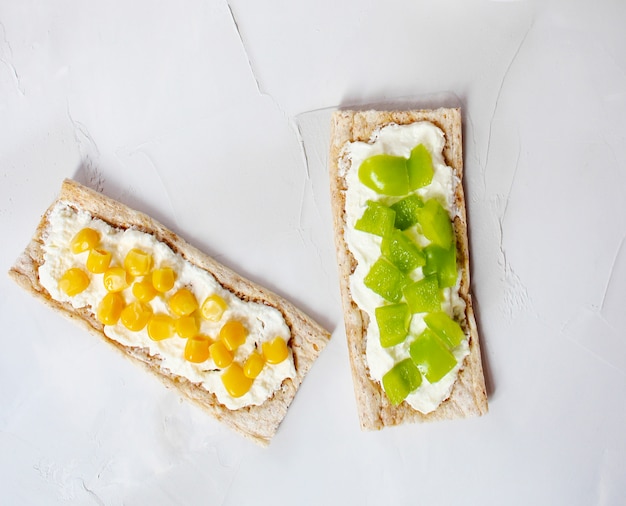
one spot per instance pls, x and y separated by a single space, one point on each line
233 347
402 249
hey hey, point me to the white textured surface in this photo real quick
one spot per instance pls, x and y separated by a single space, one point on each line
197 113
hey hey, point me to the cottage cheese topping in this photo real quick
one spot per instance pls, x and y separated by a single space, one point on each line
399 140
263 322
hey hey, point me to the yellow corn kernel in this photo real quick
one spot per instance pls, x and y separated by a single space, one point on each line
73 281
187 326
136 315
115 279
84 240
235 382
143 290
98 260
233 334
138 262
221 355
160 326
213 308
197 349
110 308
253 365
183 302
275 351
163 279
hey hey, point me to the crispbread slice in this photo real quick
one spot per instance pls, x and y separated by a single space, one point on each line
308 338
468 396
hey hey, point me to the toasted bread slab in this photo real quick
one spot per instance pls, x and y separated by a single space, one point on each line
468 396
308 338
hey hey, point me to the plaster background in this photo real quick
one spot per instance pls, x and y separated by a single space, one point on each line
213 117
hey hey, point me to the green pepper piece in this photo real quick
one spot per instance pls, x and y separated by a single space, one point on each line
423 296
446 328
385 174
441 262
377 219
402 379
420 167
406 211
431 356
401 251
386 280
436 224
393 323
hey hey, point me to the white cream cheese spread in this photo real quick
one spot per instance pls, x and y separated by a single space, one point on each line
399 140
263 322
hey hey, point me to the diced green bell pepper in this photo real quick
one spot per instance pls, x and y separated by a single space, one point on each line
377 219
393 323
385 174
423 296
446 328
435 223
386 280
431 356
441 262
402 379
406 211
420 167
401 251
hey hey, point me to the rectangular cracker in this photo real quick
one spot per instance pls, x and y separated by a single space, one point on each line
468 396
308 338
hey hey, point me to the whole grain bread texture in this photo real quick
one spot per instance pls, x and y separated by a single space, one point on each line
468 396
308 338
